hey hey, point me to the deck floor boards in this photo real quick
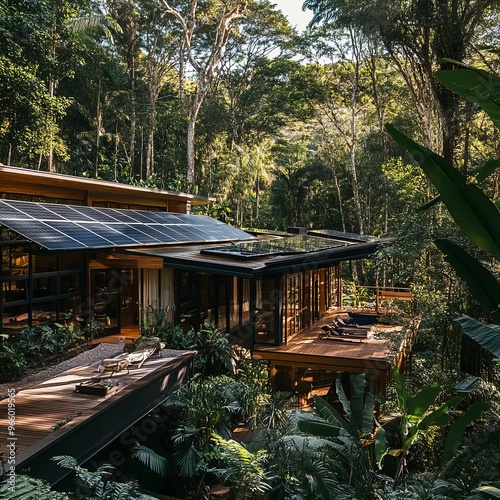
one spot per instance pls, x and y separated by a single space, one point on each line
37 409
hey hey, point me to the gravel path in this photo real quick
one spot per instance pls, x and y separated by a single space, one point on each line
89 357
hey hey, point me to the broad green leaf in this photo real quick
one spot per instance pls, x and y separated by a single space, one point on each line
380 445
357 403
487 169
488 490
330 414
429 204
346 405
419 404
438 415
400 388
318 428
410 439
476 85
471 209
457 430
484 172
368 412
482 284
488 336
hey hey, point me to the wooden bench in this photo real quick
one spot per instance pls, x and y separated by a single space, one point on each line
394 295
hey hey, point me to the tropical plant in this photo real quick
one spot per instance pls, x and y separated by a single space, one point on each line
151 459
13 362
358 431
310 467
100 485
29 488
156 321
214 353
202 407
242 469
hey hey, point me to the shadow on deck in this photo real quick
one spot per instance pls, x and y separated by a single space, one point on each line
97 420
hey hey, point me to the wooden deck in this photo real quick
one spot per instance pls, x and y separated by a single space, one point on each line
97 419
336 354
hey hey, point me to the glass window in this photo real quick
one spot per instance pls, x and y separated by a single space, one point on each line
44 312
15 290
265 300
44 263
14 318
71 283
222 284
234 309
15 261
45 285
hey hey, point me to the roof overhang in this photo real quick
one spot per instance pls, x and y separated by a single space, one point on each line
194 259
34 182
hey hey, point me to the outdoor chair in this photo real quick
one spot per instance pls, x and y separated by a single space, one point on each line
145 348
114 365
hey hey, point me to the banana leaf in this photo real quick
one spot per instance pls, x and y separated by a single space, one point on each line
357 404
471 209
457 430
487 169
420 403
483 173
330 414
481 282
476 85
400 388
319 428
488 336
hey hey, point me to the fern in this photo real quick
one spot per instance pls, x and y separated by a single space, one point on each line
99 485
29 488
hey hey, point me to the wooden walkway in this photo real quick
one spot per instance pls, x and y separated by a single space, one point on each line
90 427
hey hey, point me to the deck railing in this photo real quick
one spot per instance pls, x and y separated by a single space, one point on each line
374 297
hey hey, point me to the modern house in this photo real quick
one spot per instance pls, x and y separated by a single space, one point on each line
101 250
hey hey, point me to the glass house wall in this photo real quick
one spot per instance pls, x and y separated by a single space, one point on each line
38 287
270 309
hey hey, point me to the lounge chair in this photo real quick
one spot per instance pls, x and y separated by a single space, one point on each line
332 331
145 348
115 364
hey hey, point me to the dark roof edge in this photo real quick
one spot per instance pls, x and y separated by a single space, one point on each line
314 260
93 182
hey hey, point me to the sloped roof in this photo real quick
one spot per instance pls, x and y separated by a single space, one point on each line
63 227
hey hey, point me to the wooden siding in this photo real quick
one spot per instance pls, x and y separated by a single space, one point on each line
33 183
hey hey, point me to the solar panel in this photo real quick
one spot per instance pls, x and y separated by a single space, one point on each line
279 246
64 227
43 234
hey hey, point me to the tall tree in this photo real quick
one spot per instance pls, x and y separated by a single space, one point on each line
161 56
125 14
418 35
205 35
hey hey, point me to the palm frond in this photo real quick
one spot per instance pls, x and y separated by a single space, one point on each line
150 459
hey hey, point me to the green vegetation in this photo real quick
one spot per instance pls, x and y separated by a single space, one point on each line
290 129
42 343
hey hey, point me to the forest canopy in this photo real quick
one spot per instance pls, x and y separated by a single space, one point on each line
225 98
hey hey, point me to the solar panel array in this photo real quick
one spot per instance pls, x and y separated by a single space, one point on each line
279 246
64 227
